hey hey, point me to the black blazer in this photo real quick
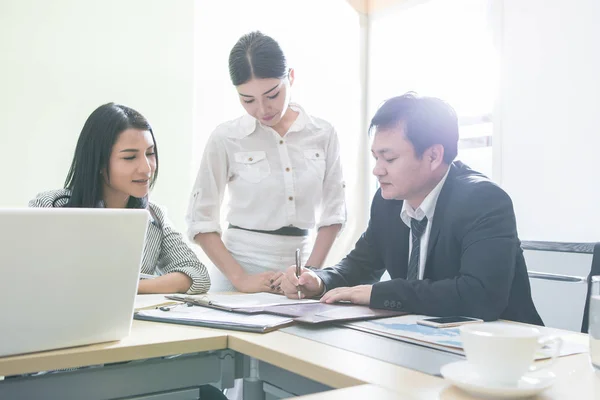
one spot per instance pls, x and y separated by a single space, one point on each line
474 266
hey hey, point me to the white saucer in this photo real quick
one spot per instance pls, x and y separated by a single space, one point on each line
463 375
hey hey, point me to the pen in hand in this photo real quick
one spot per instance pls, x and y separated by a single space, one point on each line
298 270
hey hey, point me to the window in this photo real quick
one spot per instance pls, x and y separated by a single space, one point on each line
444 49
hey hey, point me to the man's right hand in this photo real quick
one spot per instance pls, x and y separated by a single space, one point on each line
263 282
309 284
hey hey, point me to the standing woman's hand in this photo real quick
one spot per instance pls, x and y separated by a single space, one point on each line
255 283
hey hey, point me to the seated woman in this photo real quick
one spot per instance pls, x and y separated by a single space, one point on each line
115 165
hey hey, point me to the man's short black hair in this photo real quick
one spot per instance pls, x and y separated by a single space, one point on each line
426 121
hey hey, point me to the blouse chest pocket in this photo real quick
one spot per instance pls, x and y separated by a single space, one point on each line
315 162
252 166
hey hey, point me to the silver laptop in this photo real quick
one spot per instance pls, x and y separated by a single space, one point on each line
68 276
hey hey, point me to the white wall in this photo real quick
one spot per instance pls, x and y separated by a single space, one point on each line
61 59
550 116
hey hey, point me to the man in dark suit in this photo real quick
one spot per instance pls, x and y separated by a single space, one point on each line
446 234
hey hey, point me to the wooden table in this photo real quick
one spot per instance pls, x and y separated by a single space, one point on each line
576 379
356 375
147 340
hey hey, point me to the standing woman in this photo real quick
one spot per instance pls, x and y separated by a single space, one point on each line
283 172
115 165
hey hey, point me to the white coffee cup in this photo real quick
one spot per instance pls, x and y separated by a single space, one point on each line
503 352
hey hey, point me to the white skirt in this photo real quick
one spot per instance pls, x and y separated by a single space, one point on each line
259 252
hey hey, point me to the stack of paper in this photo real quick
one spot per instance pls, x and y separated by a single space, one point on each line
256 312
248 303
405 328
212 318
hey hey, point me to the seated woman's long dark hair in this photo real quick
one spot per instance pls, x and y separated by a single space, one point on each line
92 154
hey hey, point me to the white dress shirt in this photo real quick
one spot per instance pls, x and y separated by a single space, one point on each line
426 209
273 181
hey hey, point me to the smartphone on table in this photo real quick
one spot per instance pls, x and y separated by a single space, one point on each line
448 322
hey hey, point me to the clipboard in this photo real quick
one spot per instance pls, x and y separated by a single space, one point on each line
318 313
303 311
254 303
184 314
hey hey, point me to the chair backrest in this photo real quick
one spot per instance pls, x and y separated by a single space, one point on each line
559 273
595 270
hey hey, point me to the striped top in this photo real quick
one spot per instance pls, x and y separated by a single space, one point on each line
165 251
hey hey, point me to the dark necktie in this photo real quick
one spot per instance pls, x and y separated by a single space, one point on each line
416 231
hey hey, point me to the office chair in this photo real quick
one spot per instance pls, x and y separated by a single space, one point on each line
578 250
595 270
